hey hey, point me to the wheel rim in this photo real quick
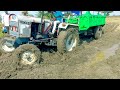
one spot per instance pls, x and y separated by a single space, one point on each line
71 43
7 48
28 58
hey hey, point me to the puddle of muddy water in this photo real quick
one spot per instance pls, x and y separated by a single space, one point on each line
117 29
103 55
111 51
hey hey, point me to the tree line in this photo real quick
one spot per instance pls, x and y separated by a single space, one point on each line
48 15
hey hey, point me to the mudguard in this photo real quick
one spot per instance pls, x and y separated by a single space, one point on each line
63 26
17 41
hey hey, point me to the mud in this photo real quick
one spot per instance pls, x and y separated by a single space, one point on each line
94 59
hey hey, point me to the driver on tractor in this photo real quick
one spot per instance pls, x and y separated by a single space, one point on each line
58 19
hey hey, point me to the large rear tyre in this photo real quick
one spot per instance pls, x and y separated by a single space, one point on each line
67 40
28 54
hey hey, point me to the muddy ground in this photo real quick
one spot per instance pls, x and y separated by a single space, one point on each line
94 59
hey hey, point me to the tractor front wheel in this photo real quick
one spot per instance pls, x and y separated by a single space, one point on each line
28 54
6 46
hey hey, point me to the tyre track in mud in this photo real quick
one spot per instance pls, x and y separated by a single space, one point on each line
71 65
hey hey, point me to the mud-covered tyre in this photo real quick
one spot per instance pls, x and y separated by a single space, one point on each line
67 40
103 30
97 32
28 54
4 47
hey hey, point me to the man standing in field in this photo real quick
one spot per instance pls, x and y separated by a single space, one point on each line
5 22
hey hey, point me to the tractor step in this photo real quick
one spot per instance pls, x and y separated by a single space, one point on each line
41 40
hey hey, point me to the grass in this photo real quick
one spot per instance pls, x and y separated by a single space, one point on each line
1 34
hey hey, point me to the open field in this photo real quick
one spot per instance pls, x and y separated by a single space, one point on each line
94 59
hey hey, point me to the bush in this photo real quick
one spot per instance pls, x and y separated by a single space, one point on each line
1 34
0 26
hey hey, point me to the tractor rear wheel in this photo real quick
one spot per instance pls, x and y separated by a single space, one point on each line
28 54
67 40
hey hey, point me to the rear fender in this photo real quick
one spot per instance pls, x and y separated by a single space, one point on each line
63 26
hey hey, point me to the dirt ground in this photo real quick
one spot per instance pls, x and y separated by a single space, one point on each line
94 59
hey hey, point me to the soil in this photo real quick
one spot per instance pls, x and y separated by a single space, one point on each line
94 59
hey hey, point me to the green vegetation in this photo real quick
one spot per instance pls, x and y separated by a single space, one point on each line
26 13
47 15
107 12
1 34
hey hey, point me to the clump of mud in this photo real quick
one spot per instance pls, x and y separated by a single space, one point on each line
7 66
10 66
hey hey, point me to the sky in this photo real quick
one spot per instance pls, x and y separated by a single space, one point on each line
35 12
115 13
19 12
